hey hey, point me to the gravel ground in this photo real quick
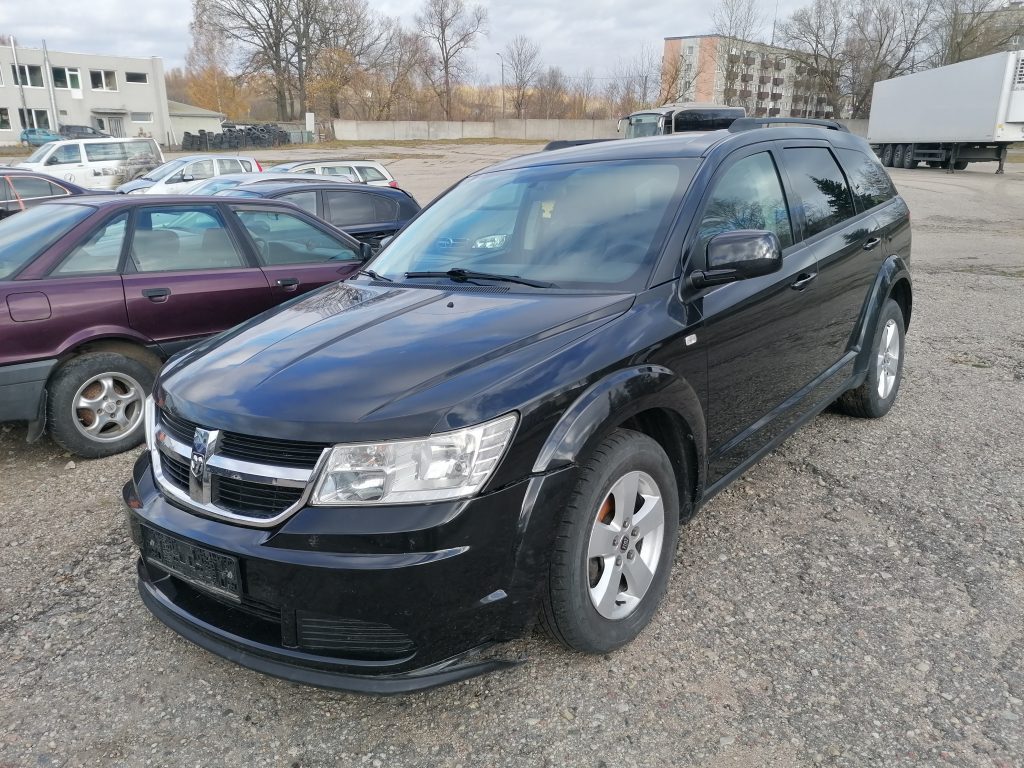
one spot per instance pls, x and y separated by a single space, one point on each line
856 599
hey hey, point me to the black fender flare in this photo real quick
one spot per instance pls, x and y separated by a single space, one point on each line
616 398
892 276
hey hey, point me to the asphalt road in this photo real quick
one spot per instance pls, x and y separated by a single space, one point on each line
856 599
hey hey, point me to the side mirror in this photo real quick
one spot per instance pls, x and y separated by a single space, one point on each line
52 160
365 251
738 255
188 177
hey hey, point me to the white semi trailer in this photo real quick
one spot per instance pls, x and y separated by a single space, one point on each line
950 116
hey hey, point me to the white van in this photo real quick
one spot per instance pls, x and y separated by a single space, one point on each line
95 163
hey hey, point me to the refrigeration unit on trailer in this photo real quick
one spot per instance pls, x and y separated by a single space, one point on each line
950 116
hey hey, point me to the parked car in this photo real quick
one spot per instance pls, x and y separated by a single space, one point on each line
367 171
232 180
171 175
98 291
82 132
368 214
511 409
95 163
36 137
26 189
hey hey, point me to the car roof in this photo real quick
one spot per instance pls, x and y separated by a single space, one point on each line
136 201
269 188
690 144
325 161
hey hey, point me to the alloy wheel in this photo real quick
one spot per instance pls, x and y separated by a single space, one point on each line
888 359
108 406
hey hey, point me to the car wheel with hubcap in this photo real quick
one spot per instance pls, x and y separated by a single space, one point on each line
614 545
95 403
873 398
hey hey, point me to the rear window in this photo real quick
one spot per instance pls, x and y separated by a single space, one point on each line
25 236
871 184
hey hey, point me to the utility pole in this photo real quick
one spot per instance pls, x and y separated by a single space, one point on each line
502 60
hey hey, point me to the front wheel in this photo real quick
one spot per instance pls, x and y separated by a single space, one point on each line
614 545
95 404
874 398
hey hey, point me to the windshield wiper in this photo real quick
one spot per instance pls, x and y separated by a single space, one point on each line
375 276
462 275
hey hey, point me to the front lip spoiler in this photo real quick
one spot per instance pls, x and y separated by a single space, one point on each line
234 649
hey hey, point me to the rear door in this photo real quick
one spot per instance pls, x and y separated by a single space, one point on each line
298 253
188 275
366 216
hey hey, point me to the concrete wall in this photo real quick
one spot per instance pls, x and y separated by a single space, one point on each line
526 130
193 124
140 107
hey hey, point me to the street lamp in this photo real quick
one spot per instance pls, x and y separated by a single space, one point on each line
500 58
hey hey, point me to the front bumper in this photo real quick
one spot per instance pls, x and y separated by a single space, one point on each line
383 600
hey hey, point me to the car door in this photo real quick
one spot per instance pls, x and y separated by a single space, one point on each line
758 331
66 163
846 243
188 275
364 215
297 253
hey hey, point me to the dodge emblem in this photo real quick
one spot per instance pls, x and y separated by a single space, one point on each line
204 445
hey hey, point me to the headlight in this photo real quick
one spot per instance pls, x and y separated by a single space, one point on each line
450 465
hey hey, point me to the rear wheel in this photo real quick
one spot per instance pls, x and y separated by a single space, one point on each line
908 157
887 151
614 545
897 156
95 404
874 398
960 165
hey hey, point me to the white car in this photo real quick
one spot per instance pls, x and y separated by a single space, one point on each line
168 178
94 163
231 180
366 171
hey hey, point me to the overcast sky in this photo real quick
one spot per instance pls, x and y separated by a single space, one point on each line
573 34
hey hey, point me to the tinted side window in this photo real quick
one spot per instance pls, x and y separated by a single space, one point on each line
349 208
100 253
28 187
170 239
385 209
871 184
57 190
821 188
371 174
305 200
748 196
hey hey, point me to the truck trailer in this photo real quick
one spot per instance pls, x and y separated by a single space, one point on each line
950 116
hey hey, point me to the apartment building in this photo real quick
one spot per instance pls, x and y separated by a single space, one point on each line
766 80
119 95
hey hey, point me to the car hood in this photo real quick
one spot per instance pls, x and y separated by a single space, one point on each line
131 186
356 361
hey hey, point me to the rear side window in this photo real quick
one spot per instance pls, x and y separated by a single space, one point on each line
230 165
305 200
29 187
348 209
105 152
246 165
748 196
384 209
820 187
100 254
371 174
871 184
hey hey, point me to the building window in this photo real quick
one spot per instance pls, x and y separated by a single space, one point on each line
5 119
67 77
142 117
34 118
103 80
28 75
136 77
689 50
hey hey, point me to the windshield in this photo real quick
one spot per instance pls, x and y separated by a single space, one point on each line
37 156
645 124
165 170
590 226
25 236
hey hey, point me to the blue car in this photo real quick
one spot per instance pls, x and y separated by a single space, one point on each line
36 137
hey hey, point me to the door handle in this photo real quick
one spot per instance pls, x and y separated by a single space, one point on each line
870 244
156 295
803 280
288 283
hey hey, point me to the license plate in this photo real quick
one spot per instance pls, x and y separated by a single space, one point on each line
200 567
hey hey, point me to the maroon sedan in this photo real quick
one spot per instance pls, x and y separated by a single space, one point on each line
96 292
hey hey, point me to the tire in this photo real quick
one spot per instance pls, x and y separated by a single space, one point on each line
897 156
960 165
887 155
103 388
626 462
908 157
872 399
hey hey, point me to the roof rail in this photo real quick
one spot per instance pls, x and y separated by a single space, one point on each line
750 123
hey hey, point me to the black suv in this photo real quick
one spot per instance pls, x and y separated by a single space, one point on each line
509 412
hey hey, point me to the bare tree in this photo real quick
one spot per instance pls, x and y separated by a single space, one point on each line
583 95
451 29
551 93
738 20
678 77
817 35
967 29
523 56
391 80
